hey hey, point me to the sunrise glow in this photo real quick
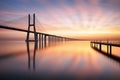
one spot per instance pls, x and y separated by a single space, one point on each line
83 19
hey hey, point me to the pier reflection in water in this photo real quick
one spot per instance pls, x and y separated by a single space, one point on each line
29 55
35 46
68 60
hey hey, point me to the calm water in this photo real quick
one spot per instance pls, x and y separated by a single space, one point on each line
66 60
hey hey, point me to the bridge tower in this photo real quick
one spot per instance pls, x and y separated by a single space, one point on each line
34 29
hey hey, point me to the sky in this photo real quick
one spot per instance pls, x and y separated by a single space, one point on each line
83 19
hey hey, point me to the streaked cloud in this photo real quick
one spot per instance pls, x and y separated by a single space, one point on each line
76 17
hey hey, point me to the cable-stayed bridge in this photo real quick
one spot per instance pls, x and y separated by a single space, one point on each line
34 23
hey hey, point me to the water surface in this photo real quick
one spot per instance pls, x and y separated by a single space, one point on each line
63 60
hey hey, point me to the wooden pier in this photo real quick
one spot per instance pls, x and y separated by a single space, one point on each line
97 45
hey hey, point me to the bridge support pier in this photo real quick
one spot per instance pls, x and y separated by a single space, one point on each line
107 49
31 25
45 40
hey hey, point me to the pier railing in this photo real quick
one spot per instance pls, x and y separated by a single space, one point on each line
97 45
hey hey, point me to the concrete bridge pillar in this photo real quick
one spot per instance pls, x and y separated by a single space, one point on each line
29 26
45 40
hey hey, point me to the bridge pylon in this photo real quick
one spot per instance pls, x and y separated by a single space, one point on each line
34 29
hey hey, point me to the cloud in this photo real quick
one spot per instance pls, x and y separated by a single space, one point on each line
73 15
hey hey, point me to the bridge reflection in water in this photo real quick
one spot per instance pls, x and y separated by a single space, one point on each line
59 60
36 45
29 55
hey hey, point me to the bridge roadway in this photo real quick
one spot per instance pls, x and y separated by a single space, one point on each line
22 30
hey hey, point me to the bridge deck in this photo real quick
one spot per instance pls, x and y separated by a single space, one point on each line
22 30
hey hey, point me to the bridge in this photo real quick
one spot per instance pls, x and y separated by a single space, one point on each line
38 36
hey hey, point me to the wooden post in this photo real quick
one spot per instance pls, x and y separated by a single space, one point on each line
97 45
100 47
107 47
91 44
110 50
